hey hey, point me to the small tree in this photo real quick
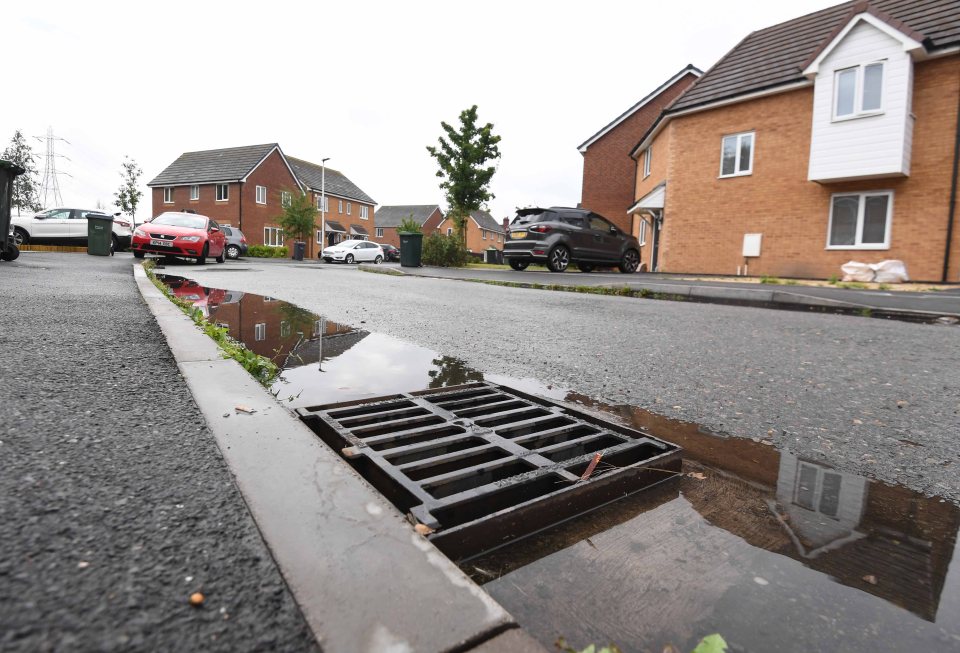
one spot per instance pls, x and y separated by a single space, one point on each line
463 166
299 218
128 195
409 226
25 187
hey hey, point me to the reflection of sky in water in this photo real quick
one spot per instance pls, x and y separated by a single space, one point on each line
377 365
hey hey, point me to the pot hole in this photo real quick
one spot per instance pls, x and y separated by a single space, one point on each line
846 563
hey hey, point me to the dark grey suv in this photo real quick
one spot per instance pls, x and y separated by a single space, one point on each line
559 236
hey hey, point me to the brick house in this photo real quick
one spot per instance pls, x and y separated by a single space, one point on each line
482 231
608 171
830 137
349 210
246 187
388 218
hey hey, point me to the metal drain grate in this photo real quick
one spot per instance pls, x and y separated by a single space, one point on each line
483 464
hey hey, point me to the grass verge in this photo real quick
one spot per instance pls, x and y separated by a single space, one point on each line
260 367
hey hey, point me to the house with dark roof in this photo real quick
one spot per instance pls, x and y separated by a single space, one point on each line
388 218
247 187
827 138
482 231
608 172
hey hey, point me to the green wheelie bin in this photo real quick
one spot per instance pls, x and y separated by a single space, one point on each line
100 235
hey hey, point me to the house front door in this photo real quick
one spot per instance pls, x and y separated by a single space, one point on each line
655 249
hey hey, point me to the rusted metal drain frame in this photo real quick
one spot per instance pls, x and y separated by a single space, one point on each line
483 464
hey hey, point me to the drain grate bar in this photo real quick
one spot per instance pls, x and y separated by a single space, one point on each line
482 464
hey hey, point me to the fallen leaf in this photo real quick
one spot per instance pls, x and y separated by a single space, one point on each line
245 409
83 564
697 475
423 529
858 421
711 644
196 599
870 578
592 466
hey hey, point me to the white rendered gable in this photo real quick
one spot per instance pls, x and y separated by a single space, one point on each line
868 144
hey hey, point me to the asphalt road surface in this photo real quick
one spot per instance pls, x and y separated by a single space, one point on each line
115 504
875 397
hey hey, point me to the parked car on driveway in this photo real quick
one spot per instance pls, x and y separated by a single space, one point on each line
353 251
181 234
560 236
67 227
390 253
236 242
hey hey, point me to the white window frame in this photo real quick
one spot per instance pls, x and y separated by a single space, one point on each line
364 212
339 206
225 195
736 161
260 331
319 237
449 231
168 195
284 329
647 158
858 110
483 234
642 237
861 208
378 232
273 236
261 194
348 208
286 199
195 192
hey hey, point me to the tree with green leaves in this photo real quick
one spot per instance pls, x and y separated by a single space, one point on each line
464 158
26 194
299 218
128 195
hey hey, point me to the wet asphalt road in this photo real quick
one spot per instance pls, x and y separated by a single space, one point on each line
115 504
875 397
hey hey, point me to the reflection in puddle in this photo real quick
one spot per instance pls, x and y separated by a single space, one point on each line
775 552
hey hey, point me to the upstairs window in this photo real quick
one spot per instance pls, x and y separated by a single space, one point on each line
736 155
339 206
260 331
285 199
858 91
364 212
348 208
647 158
323 203
195 192
860 220
261 194
223 192
168 195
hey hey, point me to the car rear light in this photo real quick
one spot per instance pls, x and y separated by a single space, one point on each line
541 228
243 239
539 252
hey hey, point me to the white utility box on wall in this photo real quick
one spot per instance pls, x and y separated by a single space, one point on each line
751 245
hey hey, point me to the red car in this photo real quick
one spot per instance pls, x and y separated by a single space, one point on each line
180 234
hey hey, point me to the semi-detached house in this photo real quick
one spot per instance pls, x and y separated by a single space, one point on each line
830 137
247 187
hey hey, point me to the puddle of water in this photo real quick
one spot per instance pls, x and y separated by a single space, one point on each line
774 552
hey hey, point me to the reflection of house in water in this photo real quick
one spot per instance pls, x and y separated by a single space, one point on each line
282 331
887 541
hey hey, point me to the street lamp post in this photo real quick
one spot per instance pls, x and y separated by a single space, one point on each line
323 203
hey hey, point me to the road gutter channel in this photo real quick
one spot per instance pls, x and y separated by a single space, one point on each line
750 297
363 578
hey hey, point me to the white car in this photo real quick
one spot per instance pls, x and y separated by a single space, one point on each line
353 251
66 226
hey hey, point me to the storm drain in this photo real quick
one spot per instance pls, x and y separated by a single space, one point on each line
482 464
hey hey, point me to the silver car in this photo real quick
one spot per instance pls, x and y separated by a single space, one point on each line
236 242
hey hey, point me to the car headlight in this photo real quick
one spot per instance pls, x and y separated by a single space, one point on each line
190 239
140 232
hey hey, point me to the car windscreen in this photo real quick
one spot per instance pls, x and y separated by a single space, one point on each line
181 220
530 218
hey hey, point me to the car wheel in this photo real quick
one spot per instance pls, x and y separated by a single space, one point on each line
222 257
233 252
137 254
378 260
11 253
558 259
584 267
202 259
629 262
519 266
20 237
349 259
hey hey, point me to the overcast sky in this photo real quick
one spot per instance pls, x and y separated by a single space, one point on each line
364 83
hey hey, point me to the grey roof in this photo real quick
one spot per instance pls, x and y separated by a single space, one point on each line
358 230
333 225
392 216
776 55
229 164
336 183
486 221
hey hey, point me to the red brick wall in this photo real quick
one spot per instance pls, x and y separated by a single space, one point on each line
226 212
705 217
275 176
608 170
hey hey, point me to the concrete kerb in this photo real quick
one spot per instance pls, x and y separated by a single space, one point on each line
364 580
